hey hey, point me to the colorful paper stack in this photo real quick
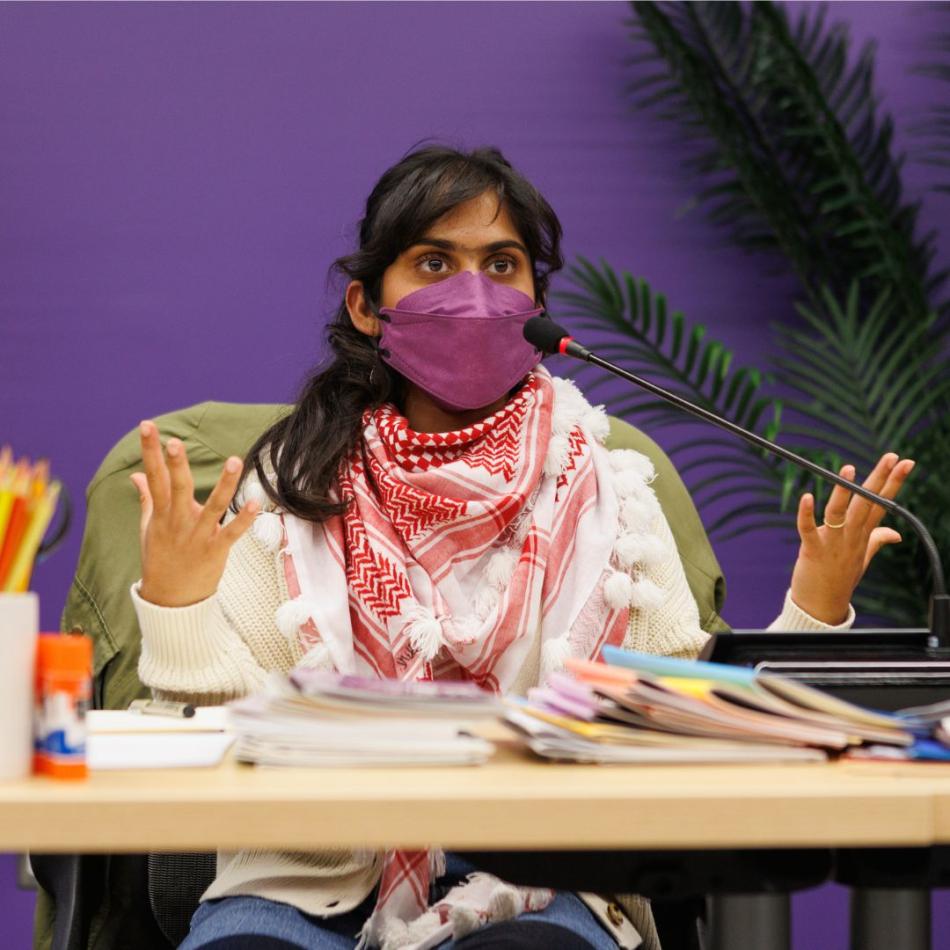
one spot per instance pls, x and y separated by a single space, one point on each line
637 707
27 503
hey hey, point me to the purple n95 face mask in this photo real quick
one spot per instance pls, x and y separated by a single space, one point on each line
460 340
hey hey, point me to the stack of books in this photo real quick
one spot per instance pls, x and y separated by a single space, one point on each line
637 707
327 719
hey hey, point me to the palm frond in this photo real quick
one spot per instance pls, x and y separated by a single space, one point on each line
645 337
897 584
783 132
866 386
861 382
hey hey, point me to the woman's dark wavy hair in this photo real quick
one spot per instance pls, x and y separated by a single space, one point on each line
306 447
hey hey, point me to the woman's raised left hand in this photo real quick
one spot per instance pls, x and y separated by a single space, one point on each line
834 555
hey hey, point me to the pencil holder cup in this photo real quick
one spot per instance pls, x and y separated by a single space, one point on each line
19 624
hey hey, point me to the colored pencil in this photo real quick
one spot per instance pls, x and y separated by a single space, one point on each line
17 522
8 481
22 565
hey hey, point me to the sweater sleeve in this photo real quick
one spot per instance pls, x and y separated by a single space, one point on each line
193 652
222 647
794 620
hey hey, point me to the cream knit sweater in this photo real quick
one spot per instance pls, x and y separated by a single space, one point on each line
224 647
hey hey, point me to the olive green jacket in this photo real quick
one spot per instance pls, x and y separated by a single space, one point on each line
99 604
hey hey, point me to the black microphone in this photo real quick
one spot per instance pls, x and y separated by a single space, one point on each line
548 337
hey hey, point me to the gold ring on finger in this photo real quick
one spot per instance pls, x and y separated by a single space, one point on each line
828 524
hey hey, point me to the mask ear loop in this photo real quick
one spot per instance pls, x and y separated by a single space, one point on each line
376 341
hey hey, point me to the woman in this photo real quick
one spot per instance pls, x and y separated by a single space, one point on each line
435 506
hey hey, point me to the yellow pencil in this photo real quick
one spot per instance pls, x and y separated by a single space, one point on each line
10 487
6 506
23 560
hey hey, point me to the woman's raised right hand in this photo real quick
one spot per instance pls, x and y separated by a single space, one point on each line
184 548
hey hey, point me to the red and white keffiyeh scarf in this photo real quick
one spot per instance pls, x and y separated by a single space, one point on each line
459 552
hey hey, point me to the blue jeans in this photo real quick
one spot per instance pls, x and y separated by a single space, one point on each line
255 922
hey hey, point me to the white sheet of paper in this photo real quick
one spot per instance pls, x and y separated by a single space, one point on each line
156 750
205 719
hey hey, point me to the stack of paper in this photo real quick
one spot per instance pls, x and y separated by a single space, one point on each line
931 728
935 716
316 718
642 708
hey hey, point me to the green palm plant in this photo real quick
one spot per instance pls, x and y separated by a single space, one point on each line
784 134
863 385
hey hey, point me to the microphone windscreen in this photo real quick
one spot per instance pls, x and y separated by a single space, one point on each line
544 334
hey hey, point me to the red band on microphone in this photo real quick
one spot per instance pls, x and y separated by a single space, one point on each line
563 344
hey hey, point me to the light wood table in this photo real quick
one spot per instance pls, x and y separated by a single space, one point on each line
511 802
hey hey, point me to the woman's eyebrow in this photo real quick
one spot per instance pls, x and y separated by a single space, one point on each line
485 248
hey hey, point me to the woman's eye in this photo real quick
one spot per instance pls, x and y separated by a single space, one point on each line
433 265
502 265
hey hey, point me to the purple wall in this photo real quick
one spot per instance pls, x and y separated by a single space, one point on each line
176 179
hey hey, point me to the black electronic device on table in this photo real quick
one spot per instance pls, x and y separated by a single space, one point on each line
883 669
886 669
